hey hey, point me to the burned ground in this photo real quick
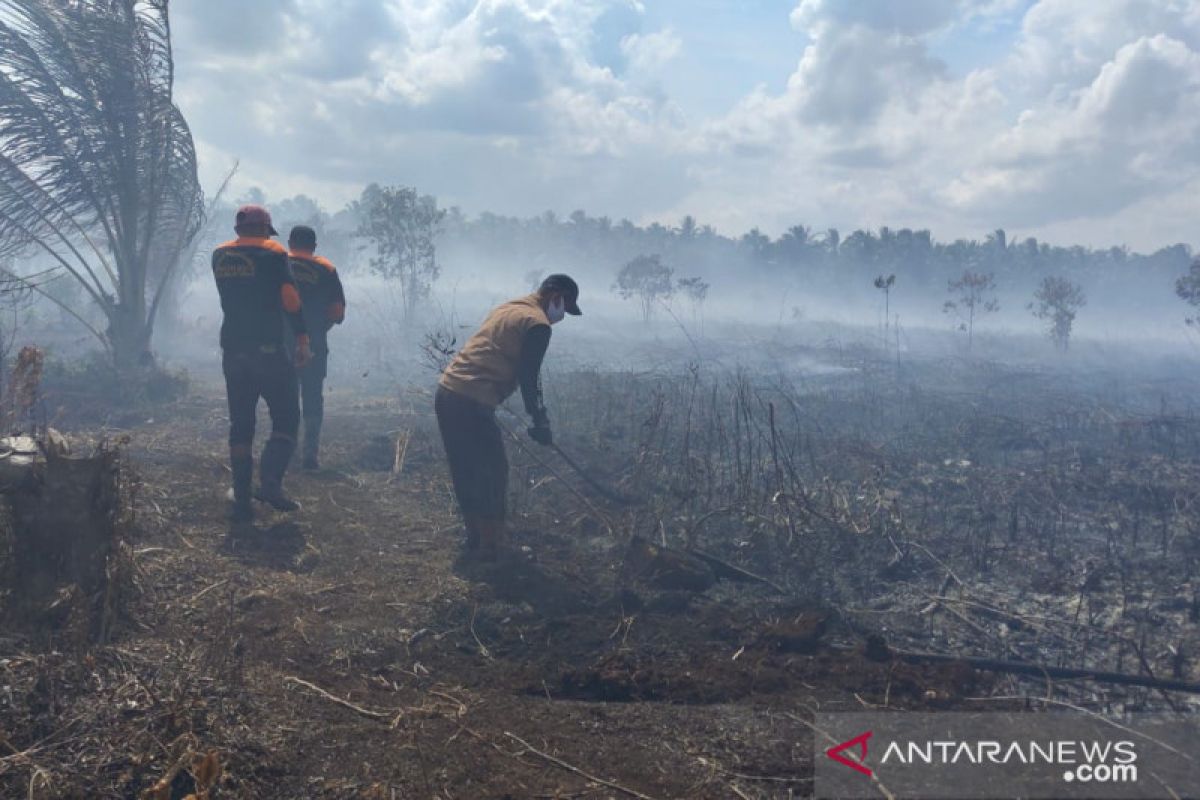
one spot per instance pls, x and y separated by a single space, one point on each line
347 650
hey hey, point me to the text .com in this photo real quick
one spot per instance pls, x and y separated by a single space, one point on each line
1102 773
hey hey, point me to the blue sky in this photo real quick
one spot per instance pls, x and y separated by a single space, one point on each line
1070 120
980 42
730 48
727 50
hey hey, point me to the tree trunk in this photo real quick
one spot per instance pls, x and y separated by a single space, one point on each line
129 338
65 544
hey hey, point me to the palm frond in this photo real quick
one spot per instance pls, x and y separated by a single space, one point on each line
97 163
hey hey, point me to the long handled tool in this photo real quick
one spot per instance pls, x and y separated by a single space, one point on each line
721 569
600 488
600 515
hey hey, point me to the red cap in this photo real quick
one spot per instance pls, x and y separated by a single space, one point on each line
250 215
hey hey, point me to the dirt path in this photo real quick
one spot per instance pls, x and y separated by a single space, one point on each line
342 652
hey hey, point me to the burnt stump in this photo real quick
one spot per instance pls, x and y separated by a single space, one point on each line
64 520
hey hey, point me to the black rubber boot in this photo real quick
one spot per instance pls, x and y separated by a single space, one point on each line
243 477
274 463
312 443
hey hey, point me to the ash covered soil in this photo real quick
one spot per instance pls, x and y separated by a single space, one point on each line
348 651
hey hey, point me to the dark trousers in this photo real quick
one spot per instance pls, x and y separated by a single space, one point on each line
312 400
249 376
475 450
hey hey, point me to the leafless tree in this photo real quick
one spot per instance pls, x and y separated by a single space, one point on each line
974 294
97 164
1057 300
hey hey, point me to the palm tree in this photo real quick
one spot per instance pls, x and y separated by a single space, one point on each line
885 285
757 243
794 243
97 164
831 240
687 228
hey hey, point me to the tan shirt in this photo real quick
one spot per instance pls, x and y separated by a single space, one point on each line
485 369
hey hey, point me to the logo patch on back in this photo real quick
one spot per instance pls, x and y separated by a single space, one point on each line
234 265
304 272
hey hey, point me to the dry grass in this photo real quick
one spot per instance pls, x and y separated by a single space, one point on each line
346 653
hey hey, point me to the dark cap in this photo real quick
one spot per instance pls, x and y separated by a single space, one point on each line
567 287
303 236
255 215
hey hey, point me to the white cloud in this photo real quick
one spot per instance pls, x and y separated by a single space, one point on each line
1090 123
1065 43
848 75
646 53
1095 109
364 91
1133 131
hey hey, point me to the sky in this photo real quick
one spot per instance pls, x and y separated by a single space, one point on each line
1075 121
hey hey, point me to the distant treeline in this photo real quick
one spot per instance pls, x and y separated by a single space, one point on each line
599 247
692 247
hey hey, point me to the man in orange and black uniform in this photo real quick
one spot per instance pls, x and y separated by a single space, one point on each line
506 352
260 301
324 306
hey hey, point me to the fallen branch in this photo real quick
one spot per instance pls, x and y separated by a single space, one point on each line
462 707
366 712
1087 712
768 778
739 792
205 591
723 569
1046 671
970 623
340 506
483 650
43 776
949 572
39 746
558 762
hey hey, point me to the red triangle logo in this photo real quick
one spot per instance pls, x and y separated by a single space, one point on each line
835 753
